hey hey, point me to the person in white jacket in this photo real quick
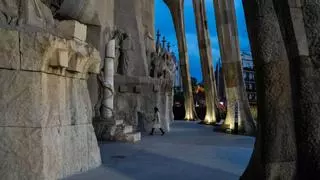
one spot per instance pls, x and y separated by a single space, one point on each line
156 121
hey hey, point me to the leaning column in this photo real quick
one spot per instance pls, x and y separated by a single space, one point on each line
299 23
274 155
206 60
176 8
232 66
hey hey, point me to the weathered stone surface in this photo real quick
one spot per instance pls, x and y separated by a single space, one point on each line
46 125
9 11
19 157
85 11
49 153
72 29
42 52
275 152
26 14
9 45
300 25
53 105
137 109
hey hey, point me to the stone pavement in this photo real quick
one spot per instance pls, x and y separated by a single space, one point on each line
190 152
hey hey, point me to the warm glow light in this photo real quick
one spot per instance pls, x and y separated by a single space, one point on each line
209 119
189 115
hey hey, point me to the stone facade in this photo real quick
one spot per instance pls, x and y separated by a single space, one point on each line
135 89
46 113
135 98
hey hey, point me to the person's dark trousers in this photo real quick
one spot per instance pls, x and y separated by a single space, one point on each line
162 131
152 131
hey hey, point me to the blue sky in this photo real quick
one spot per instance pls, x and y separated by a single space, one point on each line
164 23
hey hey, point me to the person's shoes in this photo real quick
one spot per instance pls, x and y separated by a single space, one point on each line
162 133
150 134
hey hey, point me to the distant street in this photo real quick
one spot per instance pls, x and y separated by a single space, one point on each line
190 152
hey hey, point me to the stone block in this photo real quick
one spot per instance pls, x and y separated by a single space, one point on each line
21 153
23 102
61 59
35 99
72 29
133 137
76 104
33 47
9 45
137 89
156 88
123 89
47 153
76 63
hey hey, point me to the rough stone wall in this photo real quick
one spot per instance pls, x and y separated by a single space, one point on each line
45 110
135 98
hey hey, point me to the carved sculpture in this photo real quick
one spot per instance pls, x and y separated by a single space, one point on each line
123 46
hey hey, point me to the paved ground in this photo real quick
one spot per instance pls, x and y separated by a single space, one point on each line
189 152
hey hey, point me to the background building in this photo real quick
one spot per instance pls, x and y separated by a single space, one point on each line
249 77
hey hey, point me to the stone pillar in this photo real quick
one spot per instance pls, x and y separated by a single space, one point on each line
206 60
300 26
177 11
108 83
274 155
232 66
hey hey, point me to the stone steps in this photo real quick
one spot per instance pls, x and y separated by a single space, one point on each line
125 132
127 129
119 122
133 137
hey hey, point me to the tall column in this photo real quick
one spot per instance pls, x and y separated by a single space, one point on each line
300 25
206 60
232 66
274 155
177 11
108 84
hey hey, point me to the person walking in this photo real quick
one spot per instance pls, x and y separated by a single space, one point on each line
156 122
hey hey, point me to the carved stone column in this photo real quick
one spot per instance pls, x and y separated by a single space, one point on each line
300 25
206 60
177 11
232 66
108 84
274 155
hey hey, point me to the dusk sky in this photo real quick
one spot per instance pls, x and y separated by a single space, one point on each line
165 25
